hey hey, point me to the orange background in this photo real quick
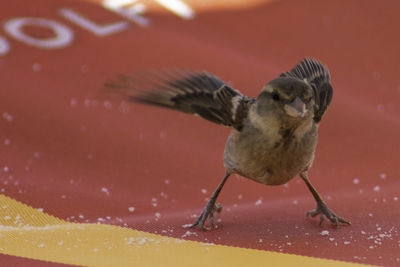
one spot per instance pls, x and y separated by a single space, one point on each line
62 144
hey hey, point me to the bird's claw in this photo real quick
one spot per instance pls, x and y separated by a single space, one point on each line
208 212
323 211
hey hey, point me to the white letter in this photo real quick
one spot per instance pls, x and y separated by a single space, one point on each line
4 47
92 26
63 35
178 7
131 13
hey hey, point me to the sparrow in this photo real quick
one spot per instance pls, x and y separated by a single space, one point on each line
273 137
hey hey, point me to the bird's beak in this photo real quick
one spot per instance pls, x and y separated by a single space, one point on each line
296 108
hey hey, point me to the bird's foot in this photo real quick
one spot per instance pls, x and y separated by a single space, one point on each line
323 211
208 212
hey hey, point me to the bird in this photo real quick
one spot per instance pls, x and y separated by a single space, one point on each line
272 138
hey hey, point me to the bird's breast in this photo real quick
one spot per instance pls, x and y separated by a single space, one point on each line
270 160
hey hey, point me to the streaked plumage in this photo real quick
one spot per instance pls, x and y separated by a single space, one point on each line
199 93
273 137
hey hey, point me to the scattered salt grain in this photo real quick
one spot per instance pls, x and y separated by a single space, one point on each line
142 241
204 191
123 107
154 202
188 233
383 176
325 232
107 104
166 181
84 68
377 188
346 242
130 240
105 191
87 102
36 67
73 102
131 209
7 116
258 202
356 181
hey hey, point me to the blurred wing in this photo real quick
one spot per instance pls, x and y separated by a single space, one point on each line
199 93
317 75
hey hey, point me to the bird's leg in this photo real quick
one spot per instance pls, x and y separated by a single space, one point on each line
322 209
210 208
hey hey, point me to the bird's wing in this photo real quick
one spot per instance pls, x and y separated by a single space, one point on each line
194 92
317 75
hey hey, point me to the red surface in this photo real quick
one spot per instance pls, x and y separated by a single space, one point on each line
23 262
64 145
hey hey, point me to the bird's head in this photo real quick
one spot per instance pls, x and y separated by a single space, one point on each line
290 99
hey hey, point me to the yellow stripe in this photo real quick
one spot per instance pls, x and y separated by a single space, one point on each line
27 232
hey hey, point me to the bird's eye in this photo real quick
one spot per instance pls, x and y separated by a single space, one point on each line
275 96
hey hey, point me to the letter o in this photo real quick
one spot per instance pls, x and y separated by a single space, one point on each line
4 46
63 35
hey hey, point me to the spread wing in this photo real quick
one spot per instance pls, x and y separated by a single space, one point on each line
317 75
193 92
